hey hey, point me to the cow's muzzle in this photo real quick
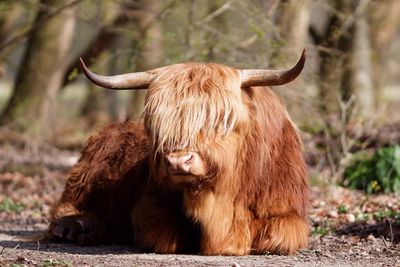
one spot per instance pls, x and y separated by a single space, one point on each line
185 163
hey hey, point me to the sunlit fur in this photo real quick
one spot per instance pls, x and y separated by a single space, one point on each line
253 198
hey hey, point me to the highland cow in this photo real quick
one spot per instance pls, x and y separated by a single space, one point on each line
216 167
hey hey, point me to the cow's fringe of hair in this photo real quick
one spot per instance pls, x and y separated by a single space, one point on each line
198 98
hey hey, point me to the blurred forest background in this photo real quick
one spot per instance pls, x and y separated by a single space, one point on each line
346 102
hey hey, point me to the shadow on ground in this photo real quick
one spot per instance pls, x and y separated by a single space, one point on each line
23 240
388 229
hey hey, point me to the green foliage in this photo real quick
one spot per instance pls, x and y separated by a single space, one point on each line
52 262
383 214
378 215
342 209
377 173
361 216
10 206
320 230
313 128
257 30
73 74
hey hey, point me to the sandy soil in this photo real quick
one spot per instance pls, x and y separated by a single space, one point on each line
324 251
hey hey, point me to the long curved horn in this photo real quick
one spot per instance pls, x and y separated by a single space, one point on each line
135 80
272 77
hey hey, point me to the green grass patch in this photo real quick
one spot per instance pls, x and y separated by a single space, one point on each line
55 263
383 214
343 209
322 230
10 206
378 215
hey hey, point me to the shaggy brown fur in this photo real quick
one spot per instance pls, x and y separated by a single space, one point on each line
103 187
251 196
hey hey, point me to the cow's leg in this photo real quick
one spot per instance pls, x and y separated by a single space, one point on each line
224 223
236 243
73 218
281 235
77 227
160 224
102 188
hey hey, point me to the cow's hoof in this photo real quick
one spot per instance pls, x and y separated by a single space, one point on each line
75 229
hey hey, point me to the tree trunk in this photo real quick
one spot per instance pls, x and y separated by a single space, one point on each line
31 106
335 71
111 17
362 59
8 20
292 18
96 108
149 48
384 20
99 106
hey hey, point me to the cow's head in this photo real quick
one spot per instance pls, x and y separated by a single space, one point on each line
195 116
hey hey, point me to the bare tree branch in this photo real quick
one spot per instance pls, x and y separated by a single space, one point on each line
216 13
161 14
31 28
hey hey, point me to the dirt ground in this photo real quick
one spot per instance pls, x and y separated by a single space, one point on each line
349 228
330 250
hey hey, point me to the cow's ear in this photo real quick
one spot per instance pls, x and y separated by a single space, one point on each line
257 77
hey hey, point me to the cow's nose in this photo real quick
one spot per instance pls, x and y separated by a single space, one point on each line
180 162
